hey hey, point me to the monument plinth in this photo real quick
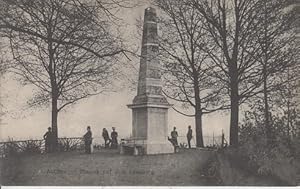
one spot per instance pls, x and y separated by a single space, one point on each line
150 107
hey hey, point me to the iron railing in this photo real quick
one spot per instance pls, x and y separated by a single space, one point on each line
38 146
212 141
77 143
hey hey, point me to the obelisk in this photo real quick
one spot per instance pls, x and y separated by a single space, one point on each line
150 107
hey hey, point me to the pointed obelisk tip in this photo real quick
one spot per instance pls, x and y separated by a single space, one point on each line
150 14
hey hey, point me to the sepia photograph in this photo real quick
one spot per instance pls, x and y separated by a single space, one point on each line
171 93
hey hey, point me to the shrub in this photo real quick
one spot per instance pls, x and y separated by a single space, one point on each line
32 146
275 158
11 149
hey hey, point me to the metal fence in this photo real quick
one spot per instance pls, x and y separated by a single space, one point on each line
38 146
77 143
211 141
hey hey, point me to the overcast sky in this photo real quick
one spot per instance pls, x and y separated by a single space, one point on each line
104 110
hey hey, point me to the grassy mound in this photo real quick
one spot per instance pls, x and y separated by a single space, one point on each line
106 167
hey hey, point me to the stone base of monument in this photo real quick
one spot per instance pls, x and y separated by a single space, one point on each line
159 148
144 147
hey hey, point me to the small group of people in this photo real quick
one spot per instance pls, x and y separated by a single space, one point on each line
113 141
108 142
174 136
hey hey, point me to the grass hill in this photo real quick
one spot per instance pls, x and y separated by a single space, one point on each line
189 167
106 167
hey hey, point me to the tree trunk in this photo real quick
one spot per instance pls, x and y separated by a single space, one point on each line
266 108
198 112
234 107
199 135
54 120
54 90
265 92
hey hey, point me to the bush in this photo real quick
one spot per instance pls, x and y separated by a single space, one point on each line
276 158
32 146
70 144
11 149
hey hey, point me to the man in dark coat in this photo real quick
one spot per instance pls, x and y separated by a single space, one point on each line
88 140
106 138
174 136
189 135
114 138
48 137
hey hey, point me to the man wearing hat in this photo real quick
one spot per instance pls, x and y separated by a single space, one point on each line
114 138
189 135
48 137
88 140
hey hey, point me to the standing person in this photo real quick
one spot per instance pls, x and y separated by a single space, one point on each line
48 137
88 140
106 138
174 136
114 138
189 135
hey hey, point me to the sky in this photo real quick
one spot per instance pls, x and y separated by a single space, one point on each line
104 110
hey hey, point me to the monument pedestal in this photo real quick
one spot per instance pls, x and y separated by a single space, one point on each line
159 148
150 127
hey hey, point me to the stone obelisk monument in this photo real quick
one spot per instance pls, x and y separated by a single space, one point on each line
150 107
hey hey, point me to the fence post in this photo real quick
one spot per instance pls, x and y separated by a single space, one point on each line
222 139
213 139
68 145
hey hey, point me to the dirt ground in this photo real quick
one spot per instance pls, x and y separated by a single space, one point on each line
106 167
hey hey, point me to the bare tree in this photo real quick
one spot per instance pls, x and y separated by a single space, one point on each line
188 72
276 39
251 46
285 99
232 25
65 48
